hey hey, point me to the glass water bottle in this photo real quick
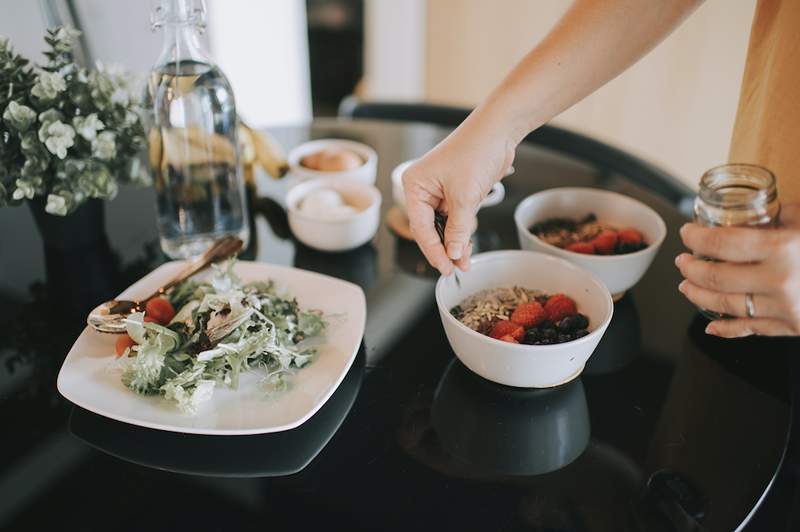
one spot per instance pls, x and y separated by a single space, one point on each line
193 148
736 195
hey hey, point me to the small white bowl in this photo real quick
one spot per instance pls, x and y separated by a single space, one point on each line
495 196
618 272
366 173
526 366
336 235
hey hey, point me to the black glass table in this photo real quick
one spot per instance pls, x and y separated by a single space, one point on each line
666 429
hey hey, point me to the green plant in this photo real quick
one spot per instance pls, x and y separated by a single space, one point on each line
66 133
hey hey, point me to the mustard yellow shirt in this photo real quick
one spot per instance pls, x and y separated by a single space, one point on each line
767 129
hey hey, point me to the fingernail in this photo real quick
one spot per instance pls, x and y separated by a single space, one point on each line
710 329
684 227
682 287
678 261
453 251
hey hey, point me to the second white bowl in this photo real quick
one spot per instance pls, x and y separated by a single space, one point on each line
618 272
529 366
335 235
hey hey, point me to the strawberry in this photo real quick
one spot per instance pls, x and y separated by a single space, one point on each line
587 248
528 314
507 328
605 242
630 236
560 306
508 338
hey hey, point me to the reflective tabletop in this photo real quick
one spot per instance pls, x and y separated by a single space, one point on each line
666 429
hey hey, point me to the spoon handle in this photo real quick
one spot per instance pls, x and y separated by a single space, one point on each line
220 250
440 222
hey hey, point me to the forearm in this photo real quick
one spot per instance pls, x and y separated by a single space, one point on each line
594 42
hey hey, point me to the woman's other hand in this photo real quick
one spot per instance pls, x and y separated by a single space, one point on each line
761 262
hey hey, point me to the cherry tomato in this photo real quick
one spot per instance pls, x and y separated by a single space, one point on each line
160 309
123 342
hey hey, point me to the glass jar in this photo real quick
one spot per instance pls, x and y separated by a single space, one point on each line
736 195
192 136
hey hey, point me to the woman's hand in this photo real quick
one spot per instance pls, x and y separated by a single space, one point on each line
762 262
454 178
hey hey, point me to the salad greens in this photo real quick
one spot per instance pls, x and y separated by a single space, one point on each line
222 328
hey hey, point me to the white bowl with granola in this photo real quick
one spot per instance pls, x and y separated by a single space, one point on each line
498 286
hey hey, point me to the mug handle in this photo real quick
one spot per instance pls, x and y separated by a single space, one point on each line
495 196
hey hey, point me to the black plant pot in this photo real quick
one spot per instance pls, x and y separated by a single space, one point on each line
79 264
83 227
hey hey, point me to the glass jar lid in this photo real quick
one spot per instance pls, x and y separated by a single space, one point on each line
738 186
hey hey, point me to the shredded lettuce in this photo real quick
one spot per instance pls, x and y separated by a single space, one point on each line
222 329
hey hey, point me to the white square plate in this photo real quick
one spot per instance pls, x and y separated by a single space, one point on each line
90 378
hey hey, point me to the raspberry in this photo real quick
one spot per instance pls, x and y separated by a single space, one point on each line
528 314
630 236
508 338
587 248
507 328
559 306
605 242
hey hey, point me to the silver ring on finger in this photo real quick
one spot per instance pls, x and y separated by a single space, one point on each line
749 305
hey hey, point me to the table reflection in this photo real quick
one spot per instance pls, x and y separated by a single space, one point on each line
261 455
509 430
492 430
359 266
622 341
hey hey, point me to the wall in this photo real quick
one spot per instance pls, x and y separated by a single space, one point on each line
262 46
676 107
394 49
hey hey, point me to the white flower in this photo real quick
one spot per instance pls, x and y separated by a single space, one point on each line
51 115
56 205
130 118
67 34
24 189
88 126
104 146
20 117
120 96
48 85
58 137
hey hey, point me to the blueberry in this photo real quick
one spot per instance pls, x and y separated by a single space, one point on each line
581 321
531 337
564 338
568 324
581 333
549 332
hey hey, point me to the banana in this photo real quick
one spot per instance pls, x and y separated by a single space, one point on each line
181 147
269 154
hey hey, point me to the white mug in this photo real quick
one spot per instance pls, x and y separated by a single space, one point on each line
495 195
